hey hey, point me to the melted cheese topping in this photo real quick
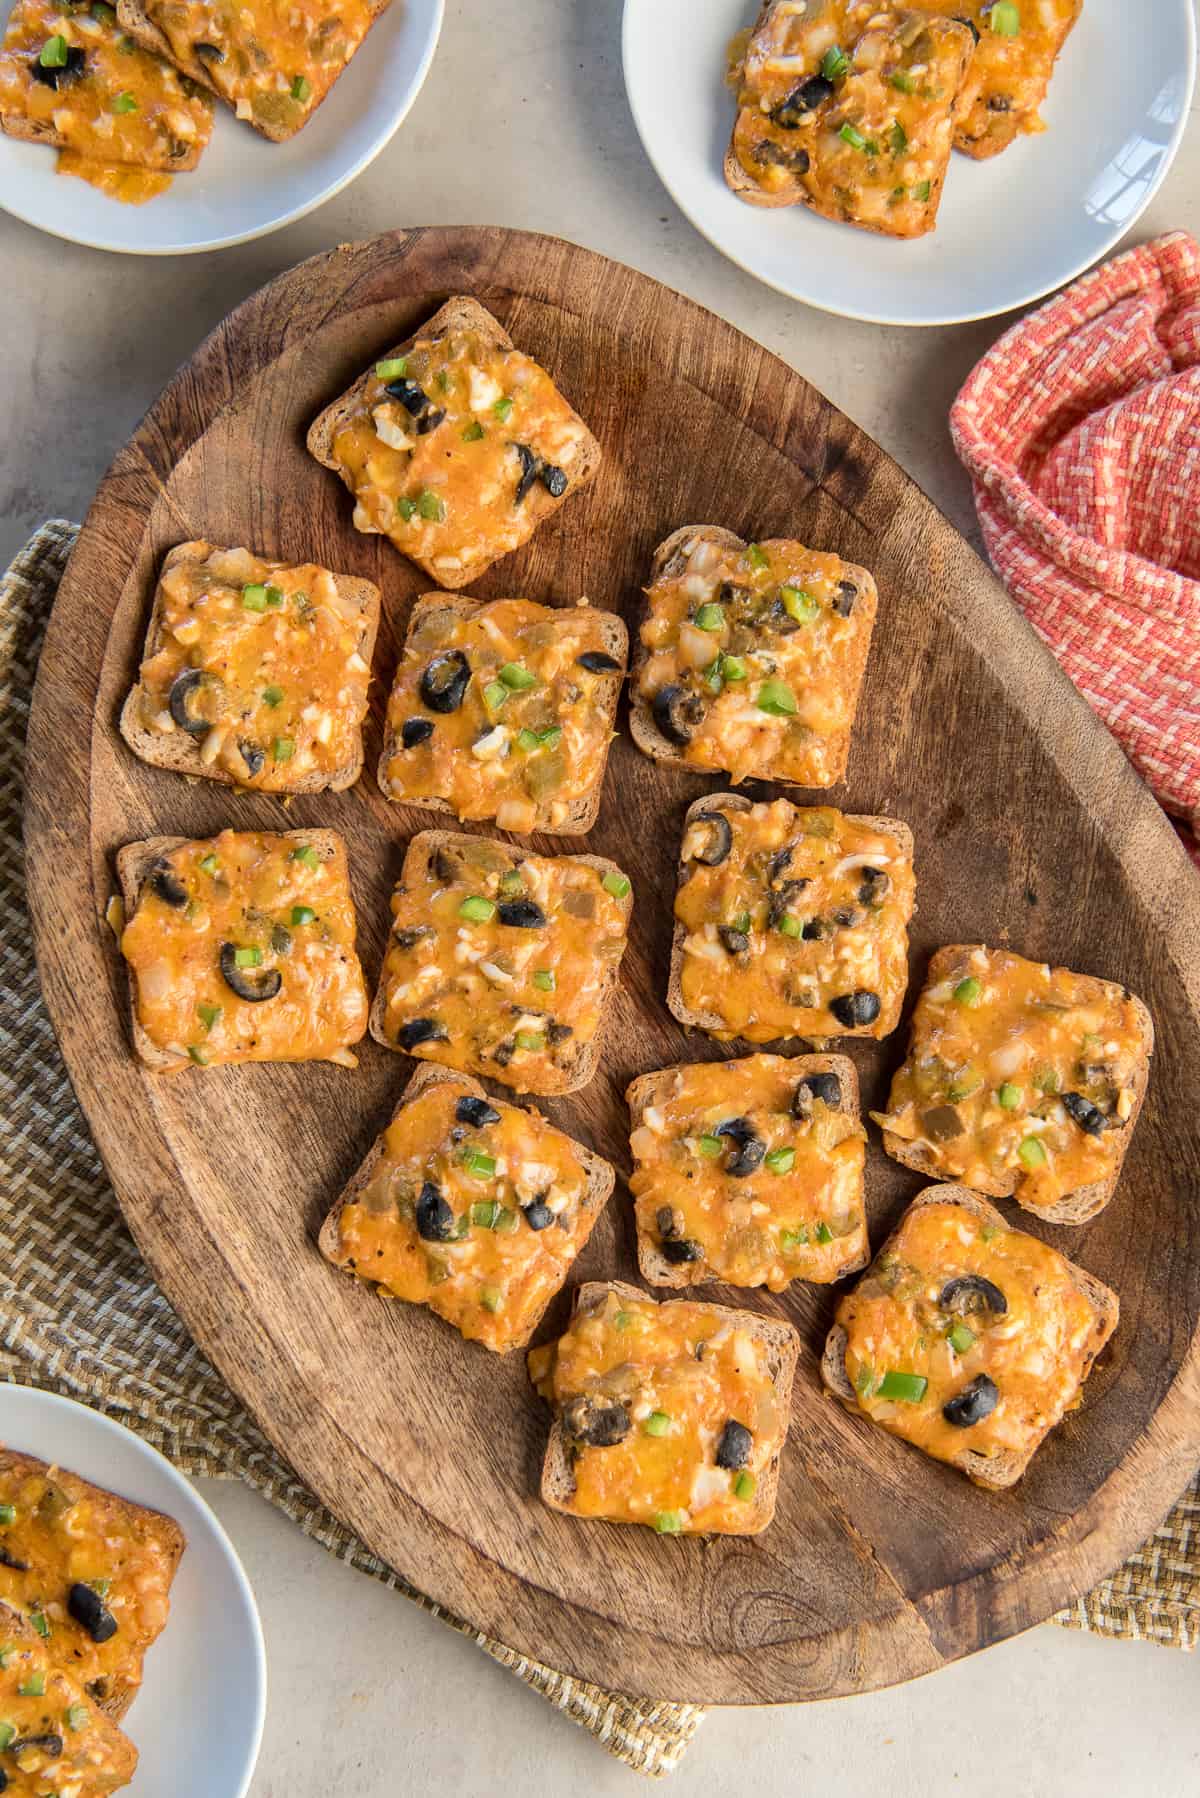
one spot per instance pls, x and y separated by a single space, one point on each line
1008 76
680 1373
66 1532
1018 1072
466 463
523 749
808 909
851 110
106 100
272 60
284 688
278 912
767 647
61 1746
491 1272
798 1214
132 187
1037 1352
515 1002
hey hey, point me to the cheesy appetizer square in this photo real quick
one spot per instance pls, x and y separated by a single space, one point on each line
455 445
240 947
1018 43
89 1571
849 110
751 657
749 1172
1020 1079
502 964
56 1742
790 921
70 78
472 1207
673 1416
254 673
966 1338
272 64
506 711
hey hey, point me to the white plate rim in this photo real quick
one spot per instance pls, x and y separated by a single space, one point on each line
328 192
38 1395
1062 279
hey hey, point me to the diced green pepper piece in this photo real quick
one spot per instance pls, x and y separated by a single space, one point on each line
210 1014
307 855
543 979
494 695
406 507
484 1214
968 992
272 696
744 1484
789 926
392 368
657 1424
476 909
615 883
800 605
254 597
78 1716
834 63
960 1338
710 1146
529 741
781 1161
1009 1096
492 1299
283 748
54 52
124 103
668 1523
533 1040
733 668
757 556
8 1514
516 677
1032 1152
1005 19
303 914
33 1687
431 508
502 408
710 617
823 1233
908 1388
208 864
776 697
301 88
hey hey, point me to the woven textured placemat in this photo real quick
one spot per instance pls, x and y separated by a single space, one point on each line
80 1314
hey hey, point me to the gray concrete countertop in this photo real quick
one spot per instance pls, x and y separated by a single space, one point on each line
523 122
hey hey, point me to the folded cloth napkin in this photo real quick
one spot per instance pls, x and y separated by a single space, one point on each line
1081 432
80 1313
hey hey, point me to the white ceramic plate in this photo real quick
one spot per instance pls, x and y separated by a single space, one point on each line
1009 230
198 1719
244 186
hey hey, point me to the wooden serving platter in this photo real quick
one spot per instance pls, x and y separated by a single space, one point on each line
1030 828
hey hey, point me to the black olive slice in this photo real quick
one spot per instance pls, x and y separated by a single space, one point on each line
70 71
941 1123
598 661
91 1613
734 1445
166 885
435 1220
538 1215
749 1147
553 479
855 1009
281 939
815 930
669 1223
254 757
420 1030
414 731
785 157
1089 1117
844 598
558 1033
444 682
252 987
682 1249
208 52
414 934
781 902
182 688
999 103
443 866
529 471
805 98
7 1560
826 1087
476 1112
717 841
594 1423
521 914
734 942
971 1292
873 885
429 421
411 397
779 864
51 1743
970 24
677 713
976 1401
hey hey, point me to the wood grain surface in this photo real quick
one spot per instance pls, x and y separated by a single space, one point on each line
1030 829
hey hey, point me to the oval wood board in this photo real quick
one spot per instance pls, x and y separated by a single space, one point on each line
1030 828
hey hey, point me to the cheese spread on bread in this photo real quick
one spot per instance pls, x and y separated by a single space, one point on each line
1018 44
54 1741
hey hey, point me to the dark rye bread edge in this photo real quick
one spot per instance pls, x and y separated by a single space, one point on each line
585 810
133 17
180 752
582 1069
134 863
652 1264
887 1020
994 1472
782 1347
460 312
119 1700
1076 1207
601 1178
669 560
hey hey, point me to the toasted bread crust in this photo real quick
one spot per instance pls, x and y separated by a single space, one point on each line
782 1346
464 313
584 811
581 1070
994 1472
653 1266
709 1021
601 1178
667 560
1081 1205
180 752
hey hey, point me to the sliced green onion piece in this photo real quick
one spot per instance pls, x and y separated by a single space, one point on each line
528 740
864 1381
1032 1152
492 1299
733 668
283 748
482 1166
615 883
391 368
54 53
898 137
301 88
477 909
247 958
823 1233
799 605
909 1388
484 1213
713 678
1005 19
543 979
254 597
124 103
903 82
1009 1096
8 1514
274 597
624 1320
78 1716
960 1338
657 1424
668 1523
33 1687
743 1485
742 922
516 677
834 63
776 697
1046 1080
306 854
210 1014
533 1040
430 506
551 737
7 1732
710 617
473 432
968 1082
406 508
502 408
793 1239
6 1654
494 695
710 1146
757 556
303 914
850 134
272 696
789 926
968 992
508 1221
921 191
781 1161
511 883
41 1623
208 864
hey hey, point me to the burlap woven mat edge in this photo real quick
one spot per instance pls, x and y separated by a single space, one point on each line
79 1313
